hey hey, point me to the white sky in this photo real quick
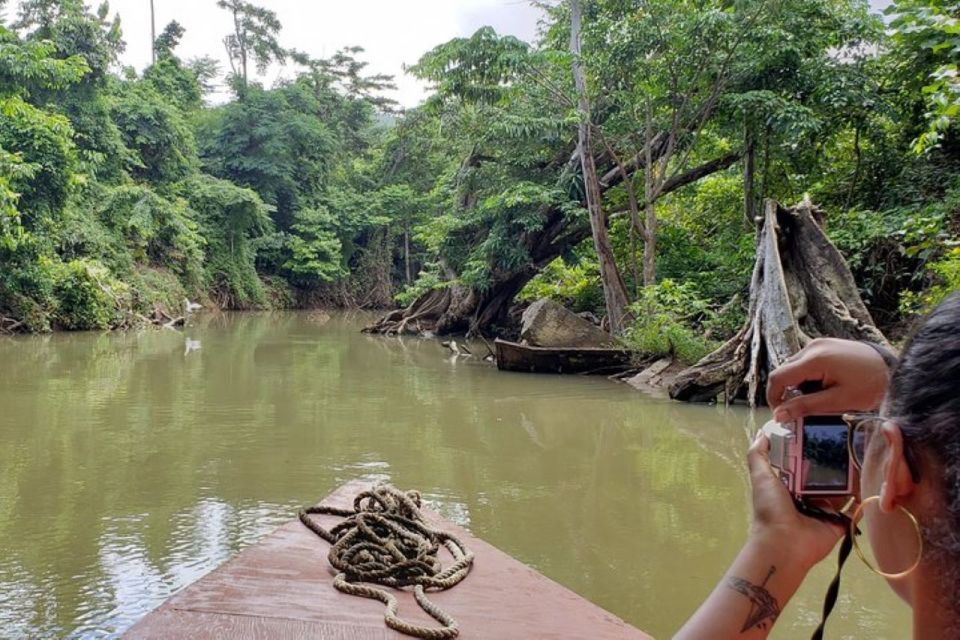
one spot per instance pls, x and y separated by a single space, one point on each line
393 32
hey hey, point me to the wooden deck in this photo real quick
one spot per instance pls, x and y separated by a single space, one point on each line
282 588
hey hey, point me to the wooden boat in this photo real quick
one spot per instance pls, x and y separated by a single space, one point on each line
282 587
512 356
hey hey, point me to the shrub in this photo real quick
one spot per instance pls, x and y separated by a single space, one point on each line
671 319
946 275
151 288
88 297
577 286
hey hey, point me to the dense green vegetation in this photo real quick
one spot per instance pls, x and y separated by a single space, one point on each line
122 192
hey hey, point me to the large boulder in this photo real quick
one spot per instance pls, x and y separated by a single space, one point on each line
548 324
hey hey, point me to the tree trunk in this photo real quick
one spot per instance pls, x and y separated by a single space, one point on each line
801 289
650 221
614 289
406 252
749 195
636 226
455 309
650 246
153 35
243 61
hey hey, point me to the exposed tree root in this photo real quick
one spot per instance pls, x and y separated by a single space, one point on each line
10 325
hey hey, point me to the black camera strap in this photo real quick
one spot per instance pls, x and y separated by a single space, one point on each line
833 591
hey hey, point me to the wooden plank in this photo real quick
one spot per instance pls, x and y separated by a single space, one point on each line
168 623
282 588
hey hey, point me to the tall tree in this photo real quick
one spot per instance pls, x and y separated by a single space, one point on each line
254 37
153 34
168 40
614 290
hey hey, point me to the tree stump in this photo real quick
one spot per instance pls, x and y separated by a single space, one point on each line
801 289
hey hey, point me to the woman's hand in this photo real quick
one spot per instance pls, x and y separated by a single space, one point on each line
852 376
777 525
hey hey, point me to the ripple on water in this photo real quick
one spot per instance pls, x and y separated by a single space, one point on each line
26 603
134 576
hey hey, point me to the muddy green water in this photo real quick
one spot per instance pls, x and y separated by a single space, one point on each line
131 464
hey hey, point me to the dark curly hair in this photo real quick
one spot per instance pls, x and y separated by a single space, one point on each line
924 399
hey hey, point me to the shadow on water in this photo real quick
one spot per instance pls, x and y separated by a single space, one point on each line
131 464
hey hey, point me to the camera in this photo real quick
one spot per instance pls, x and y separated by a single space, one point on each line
811 456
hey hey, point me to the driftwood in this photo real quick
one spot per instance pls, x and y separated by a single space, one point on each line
9 325
456 349
160 318
801 289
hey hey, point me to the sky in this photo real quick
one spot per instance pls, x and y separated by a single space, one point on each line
393 32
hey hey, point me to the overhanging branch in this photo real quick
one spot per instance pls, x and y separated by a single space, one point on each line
698 172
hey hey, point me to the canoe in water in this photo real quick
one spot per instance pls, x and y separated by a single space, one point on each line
282 587
512 356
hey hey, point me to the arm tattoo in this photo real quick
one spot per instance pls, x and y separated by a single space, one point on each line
764 609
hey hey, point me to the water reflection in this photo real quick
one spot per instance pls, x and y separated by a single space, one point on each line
128 468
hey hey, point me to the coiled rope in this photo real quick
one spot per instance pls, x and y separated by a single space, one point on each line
384 540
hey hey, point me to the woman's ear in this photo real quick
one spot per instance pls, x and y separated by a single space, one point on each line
897 481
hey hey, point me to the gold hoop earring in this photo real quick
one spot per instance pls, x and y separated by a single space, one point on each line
856 544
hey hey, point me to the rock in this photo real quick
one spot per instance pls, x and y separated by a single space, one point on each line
548 324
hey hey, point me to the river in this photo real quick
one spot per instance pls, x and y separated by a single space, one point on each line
133 463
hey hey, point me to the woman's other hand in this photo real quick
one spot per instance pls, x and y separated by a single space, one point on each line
782 547
852 377
776 521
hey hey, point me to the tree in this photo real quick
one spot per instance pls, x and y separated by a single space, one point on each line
156 132
153 34
512 111
207 70
168 40
254 37
927 38
274 142
614 291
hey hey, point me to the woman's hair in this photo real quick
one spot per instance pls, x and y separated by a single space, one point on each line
924 399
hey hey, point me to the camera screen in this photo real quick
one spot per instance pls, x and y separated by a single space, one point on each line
825 456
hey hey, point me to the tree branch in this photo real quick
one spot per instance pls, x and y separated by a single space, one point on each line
701 171
614 177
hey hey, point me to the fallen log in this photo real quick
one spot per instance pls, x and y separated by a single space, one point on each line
179 321
801 289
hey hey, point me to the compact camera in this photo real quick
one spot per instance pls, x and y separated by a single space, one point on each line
812 456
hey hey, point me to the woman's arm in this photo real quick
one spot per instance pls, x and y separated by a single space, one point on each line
782 547
749 598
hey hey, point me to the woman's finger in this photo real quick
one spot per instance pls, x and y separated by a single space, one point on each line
830 400
803 366
758 457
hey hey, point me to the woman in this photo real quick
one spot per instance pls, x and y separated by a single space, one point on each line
909 484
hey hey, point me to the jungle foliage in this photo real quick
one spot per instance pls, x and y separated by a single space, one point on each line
121 192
